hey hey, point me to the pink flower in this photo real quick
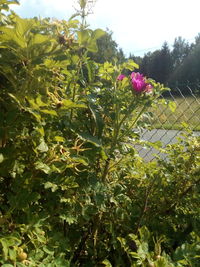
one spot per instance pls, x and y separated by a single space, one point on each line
121 77
139 83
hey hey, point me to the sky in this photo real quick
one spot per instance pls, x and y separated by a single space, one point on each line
138 26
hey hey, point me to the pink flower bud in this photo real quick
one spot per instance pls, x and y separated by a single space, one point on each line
121 77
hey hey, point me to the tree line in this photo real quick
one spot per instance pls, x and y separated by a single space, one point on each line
181 64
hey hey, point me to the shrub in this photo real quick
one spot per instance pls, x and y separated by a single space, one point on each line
73 191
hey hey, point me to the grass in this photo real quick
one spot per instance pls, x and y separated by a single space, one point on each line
187 112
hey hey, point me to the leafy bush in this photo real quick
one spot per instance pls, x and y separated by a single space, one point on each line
73 190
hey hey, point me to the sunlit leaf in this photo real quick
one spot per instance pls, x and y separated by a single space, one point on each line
1 158
43 167
50 112
43 147
172 105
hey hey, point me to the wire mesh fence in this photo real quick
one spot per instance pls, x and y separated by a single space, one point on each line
168 125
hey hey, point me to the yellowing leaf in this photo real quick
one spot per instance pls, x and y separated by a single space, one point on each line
172 106
59 139
106 263
70 104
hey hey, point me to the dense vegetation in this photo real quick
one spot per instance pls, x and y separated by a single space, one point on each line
73 190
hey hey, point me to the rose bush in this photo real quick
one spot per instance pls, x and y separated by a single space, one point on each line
73 190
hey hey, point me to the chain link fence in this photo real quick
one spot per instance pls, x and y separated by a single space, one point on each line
168 125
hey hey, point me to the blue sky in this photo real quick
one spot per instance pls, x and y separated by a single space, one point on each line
137 26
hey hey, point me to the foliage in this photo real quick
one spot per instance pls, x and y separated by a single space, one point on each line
180 64
107 50
73 191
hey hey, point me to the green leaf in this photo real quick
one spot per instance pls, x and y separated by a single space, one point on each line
23 26
50 185
83 37
97 117
48 251
40 130
67 104
42 147
92 46
15 99
134 255
1 158
91 70
39 102
97 34
59 139
50 112
106 263
80 160
5 246
43 167
12 254
39 39
130 65
68 218
92 139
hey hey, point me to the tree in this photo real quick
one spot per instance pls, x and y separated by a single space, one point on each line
158 64
189 70
180 51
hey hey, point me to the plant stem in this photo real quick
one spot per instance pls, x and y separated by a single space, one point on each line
134 122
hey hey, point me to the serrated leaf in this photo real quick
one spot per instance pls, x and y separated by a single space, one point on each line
68 218
130 65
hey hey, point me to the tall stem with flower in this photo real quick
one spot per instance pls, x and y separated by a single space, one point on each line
140 88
